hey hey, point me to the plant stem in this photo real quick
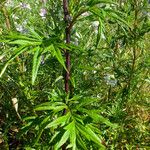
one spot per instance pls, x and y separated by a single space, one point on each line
67 54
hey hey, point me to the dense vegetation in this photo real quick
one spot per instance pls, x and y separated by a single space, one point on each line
74 74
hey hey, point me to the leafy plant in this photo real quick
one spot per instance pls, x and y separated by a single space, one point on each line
79 73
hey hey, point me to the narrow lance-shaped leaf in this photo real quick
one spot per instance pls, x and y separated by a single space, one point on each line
19 51
100 29
72 129
57 53
16 36
90 135
63 140
81 142
25 42
34 34
94 137
118 16
97 117
42 126
59 121
95 2
36 64
50 106
59 57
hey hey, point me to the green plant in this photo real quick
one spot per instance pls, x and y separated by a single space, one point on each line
66 90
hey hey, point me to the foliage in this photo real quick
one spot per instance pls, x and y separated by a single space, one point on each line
107 105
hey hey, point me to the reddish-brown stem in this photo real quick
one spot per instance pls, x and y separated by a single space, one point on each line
67 54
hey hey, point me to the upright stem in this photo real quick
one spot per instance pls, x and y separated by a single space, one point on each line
67 54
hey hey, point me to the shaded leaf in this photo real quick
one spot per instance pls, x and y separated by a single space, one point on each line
19 51
63 139
36 64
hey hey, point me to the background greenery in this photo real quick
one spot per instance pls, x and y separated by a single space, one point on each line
108 103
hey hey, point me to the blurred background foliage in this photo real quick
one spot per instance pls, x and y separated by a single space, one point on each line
110 62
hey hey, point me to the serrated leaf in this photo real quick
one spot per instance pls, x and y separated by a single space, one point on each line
16 36
94 137
25 42
29 118
36 64
81 142
19 51
59 57
54 108
59 121
82 130
97 117
34 33
100 30
117 15
57 53
90 135
86 101
63 139
42 126
72 129
95 2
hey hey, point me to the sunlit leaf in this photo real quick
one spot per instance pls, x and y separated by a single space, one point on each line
59 57
24 42
59 121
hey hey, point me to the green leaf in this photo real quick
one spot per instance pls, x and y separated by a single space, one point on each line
57 53
117 16
72 129
90 135
29 148
42 126
16 36
19 51
59 57
54 108
95 2
34 34
57 79
59 121
36 64
32 123
94 137
63 139
3 70
25 42
94 114
86 101
81 142
100 30
82 130
95 129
